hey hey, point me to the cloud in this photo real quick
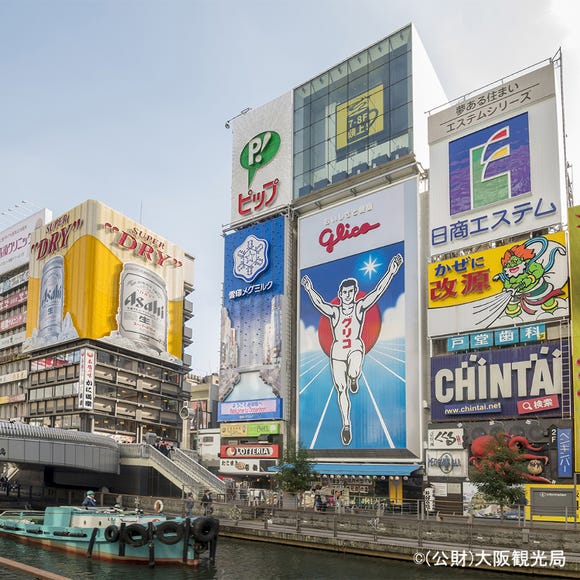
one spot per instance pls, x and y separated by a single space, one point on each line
308 338
393 325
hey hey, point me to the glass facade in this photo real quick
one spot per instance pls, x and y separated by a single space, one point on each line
355 116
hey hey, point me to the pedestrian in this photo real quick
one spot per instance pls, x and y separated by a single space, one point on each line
206 502
189 504
89 501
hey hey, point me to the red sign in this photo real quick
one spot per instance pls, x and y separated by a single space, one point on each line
258 451
538 405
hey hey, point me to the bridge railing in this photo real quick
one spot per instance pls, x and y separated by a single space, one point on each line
184 472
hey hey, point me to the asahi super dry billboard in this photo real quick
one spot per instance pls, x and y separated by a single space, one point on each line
95 273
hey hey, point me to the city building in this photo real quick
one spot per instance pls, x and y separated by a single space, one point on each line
105 326
14 257
328 193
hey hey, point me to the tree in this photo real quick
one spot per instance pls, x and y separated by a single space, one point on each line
498 472
295 474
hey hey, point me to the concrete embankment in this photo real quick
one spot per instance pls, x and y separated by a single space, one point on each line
501 547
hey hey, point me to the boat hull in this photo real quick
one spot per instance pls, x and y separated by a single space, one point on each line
148 539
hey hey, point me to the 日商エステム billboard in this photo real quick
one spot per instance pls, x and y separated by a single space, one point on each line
97 274
494 164
518 283
358 345
252 318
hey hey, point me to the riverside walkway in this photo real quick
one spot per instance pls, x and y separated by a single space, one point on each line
509 546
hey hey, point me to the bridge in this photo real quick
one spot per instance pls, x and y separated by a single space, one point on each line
65 450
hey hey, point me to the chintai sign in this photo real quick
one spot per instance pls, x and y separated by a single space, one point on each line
499 383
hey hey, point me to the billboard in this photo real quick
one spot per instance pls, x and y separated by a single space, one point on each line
15 241
252 313
97 274
494 164
525 381
574 245
358 307
518 283
262 160
250 410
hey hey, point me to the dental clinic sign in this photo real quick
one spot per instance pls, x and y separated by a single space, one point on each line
510 382
262 160
495 167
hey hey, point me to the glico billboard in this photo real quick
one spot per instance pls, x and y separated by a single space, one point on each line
494 164
251 381
358 356
519 283
97 274
524 381
262 160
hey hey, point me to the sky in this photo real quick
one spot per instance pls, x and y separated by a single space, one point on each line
125 101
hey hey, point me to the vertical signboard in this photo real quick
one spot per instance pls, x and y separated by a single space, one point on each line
358 304
86 378
262 160
95 273
494 164
574 246
251 325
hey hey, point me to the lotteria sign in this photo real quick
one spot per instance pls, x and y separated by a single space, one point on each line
509 382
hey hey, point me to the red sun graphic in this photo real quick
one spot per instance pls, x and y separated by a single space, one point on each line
370 331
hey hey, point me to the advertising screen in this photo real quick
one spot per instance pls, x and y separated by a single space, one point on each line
357 319
494 164
97 274
512 284
525 381
252 314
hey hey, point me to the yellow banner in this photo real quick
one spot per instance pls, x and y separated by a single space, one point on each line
517 268
574 248
360 117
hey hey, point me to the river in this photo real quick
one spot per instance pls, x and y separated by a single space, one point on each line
240 560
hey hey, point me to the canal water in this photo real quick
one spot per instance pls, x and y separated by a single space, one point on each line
239 560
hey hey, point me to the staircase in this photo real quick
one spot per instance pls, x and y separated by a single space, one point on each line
181 469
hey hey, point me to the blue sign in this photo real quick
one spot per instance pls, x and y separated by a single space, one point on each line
251 342
564 452
250 410
533 333
506 336
455 343
510 382
481 339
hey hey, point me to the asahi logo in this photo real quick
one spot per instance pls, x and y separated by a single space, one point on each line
51 294
151 307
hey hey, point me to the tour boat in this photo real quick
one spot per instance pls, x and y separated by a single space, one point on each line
113 534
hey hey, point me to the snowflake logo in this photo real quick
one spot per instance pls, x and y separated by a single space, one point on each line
250 258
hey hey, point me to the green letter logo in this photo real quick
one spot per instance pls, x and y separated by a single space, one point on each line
259 151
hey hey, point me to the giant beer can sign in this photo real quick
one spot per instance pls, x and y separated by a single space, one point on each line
142 315
97 274
51 298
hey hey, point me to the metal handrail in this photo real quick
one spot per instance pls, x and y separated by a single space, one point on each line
189 464
187 472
